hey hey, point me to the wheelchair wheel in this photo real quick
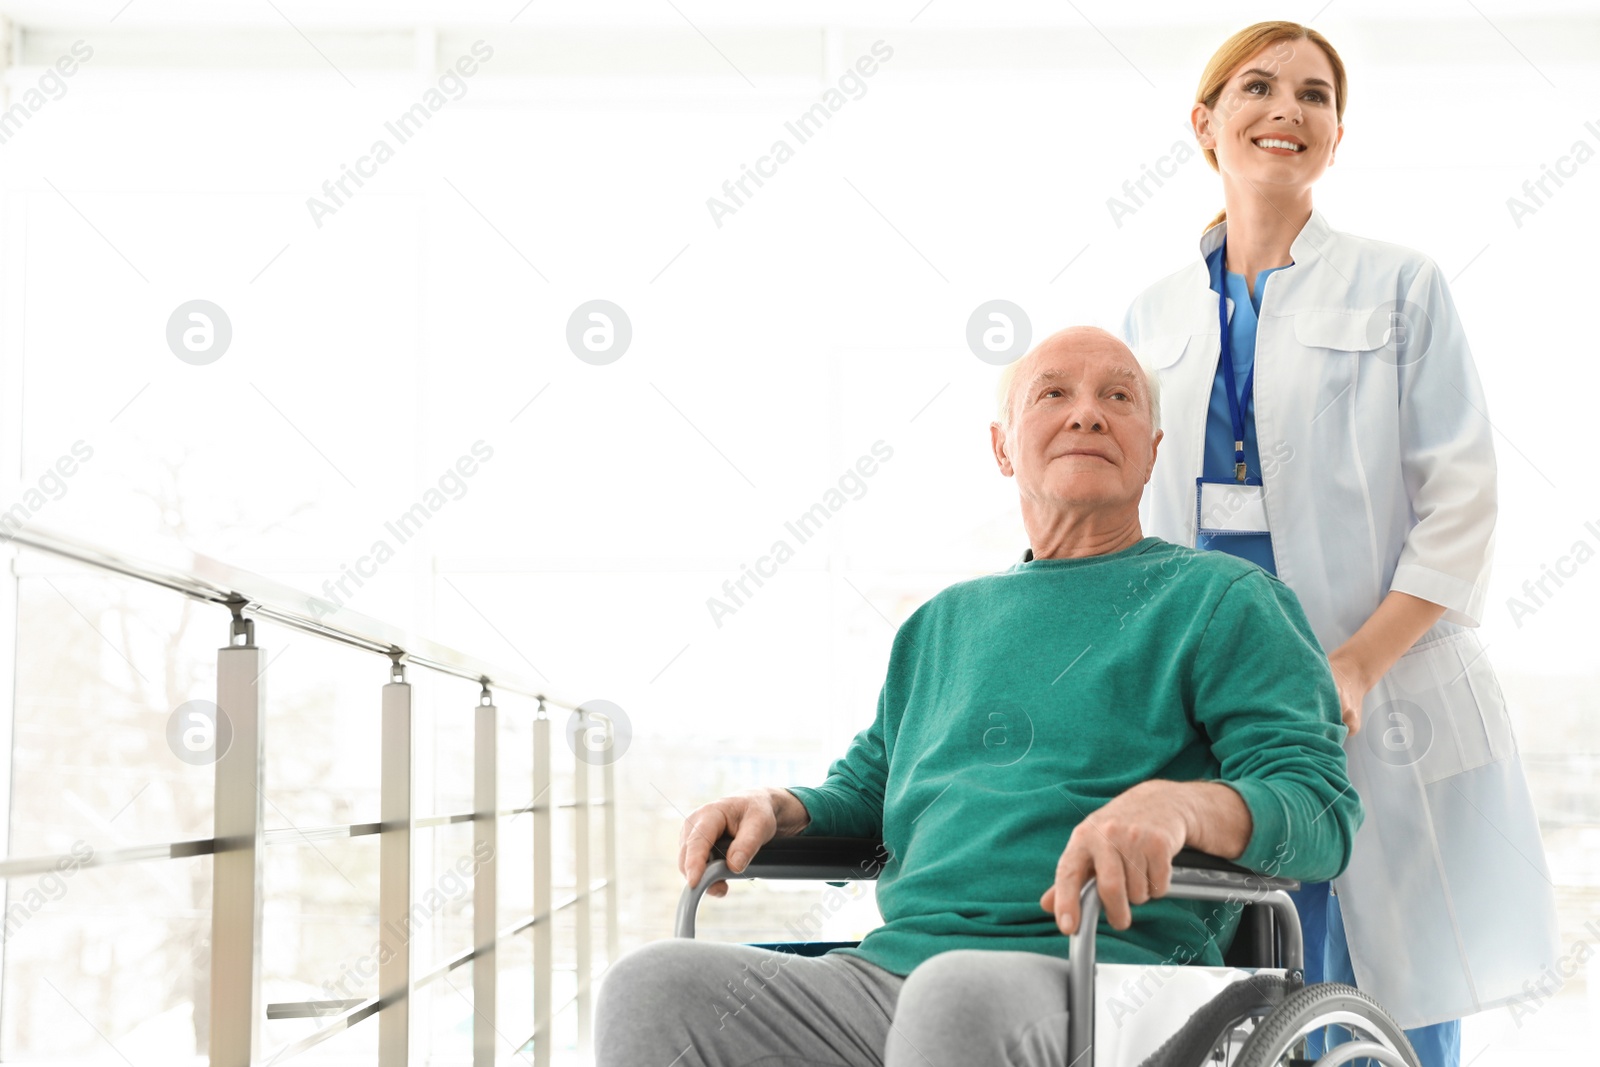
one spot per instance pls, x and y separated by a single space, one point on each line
1211 1033
1378 1039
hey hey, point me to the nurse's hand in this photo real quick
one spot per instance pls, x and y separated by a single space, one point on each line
1350 678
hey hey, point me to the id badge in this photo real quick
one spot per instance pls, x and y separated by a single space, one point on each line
1223 508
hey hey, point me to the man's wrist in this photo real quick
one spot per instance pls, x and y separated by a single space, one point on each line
1212 814
1177 798
1218 819
791 814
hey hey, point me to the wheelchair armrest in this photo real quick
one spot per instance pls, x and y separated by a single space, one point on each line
847 858
1203 861
831 859
841 859
861 858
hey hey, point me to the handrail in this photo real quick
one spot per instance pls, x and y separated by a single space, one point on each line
240 837
204 578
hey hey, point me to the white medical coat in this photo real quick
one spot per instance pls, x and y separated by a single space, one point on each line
1379 474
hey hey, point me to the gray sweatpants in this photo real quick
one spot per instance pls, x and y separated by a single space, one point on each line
687 1003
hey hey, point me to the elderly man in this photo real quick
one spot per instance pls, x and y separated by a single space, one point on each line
1108 700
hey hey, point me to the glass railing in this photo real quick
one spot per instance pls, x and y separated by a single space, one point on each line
509 833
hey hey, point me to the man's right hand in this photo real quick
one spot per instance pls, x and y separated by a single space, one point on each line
750 818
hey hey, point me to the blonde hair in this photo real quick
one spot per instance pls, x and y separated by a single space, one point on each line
1246 43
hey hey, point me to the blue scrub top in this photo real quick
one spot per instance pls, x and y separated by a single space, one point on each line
1218 464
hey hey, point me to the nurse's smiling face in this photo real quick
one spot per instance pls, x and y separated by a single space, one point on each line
1280 98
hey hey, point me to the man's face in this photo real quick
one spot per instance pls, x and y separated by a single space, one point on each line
1080 435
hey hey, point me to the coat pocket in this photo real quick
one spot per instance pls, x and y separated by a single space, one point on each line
1341 329
1439 711
1396 334
1163 351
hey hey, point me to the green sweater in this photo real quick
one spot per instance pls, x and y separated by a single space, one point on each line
1017 703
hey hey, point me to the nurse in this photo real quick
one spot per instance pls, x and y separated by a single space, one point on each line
1326 421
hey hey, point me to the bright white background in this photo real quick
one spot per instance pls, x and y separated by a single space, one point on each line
770 352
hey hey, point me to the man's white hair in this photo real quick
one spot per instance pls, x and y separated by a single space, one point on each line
1008 379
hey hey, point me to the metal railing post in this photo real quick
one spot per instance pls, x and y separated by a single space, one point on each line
236 1011
580 878
394 872
543 916
609 777
485 880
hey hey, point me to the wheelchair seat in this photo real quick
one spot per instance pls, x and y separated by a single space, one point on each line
1255 1011
1256 943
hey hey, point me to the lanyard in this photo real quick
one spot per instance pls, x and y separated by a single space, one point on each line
1236 402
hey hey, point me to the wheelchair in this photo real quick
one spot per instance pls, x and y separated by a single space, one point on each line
1256 1011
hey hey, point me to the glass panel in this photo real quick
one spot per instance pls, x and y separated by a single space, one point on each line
443 705
108 964
597 938
516 988
564 1039
324 704
561 854
103 664
355 1047
442 905
565 948
444 1021
320 934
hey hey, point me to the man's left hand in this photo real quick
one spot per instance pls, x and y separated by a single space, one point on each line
1127 847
